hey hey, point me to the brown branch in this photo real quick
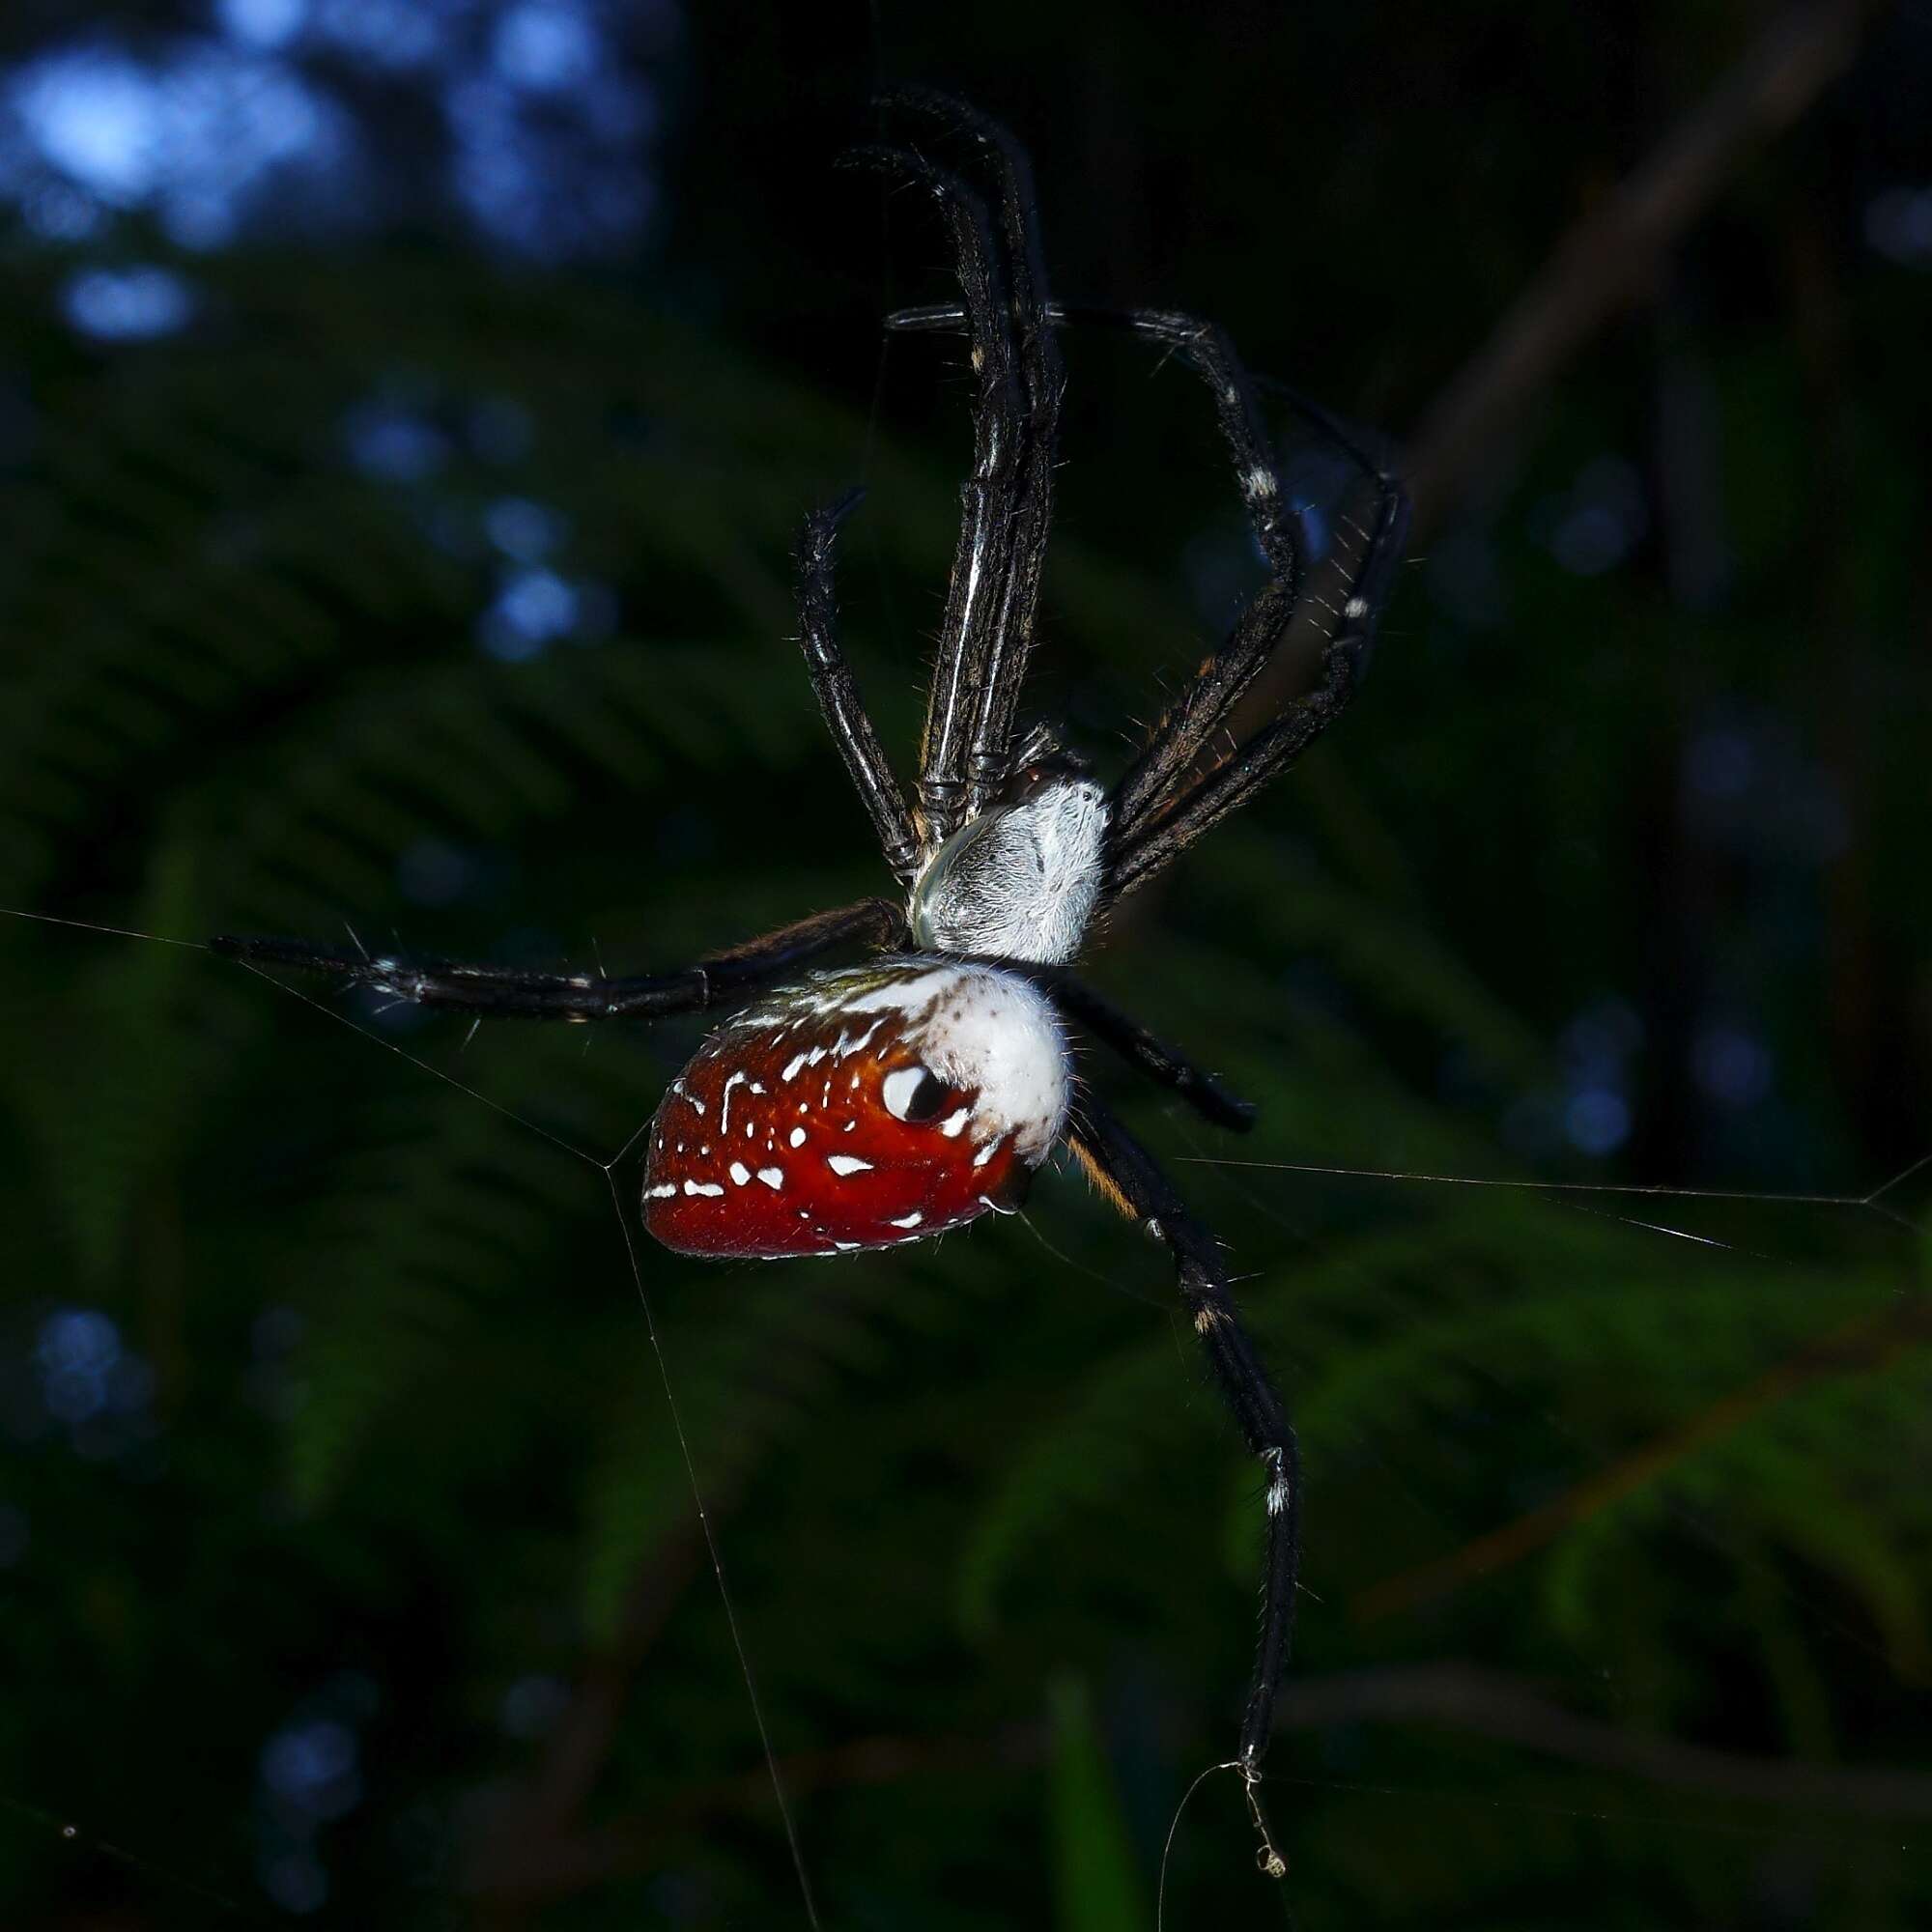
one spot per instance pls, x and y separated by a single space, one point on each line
581 1742
1607 263
1610 258
544 1808
1861 1347
1462 1697
1454 1696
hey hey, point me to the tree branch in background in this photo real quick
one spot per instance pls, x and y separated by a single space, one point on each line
1606 264
1609 260
1447 1695
1861 1348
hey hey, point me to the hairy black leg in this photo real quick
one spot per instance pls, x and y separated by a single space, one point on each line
1157 814
1206 349
1157 811
1161 1063
988 500
1009 643
1141 852
1128 1175
1187 726
504 992
838 693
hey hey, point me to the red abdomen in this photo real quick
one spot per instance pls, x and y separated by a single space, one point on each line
859 1109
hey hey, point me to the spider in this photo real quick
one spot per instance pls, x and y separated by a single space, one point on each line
891 1100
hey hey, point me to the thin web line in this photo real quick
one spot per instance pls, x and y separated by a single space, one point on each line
1280 1889
1899 1180
1173 1830
115 931
1866 1203
716 1558
327 1012
1696 1521
403 1052
1675 1234
607 1170
86 1845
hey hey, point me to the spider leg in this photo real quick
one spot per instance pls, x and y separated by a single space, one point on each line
1144 846
846 716
504 993
1205 348
1161 1063
1156 817
1128 1175
1009 642
989 499
1188 723
1155 785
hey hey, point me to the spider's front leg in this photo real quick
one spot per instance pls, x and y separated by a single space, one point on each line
1126 1174
507 992
985 635
845 717
1162 805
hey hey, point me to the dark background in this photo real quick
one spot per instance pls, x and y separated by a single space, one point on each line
405 411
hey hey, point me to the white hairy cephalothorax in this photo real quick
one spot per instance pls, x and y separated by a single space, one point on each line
1018 882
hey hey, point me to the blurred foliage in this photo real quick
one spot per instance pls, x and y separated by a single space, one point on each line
360 1547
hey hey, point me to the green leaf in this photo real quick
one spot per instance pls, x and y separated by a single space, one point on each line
1097 1885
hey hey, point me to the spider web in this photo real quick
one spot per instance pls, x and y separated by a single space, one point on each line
609 1169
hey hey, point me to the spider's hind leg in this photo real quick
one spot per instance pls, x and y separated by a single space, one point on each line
1128 1175
1148 1054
